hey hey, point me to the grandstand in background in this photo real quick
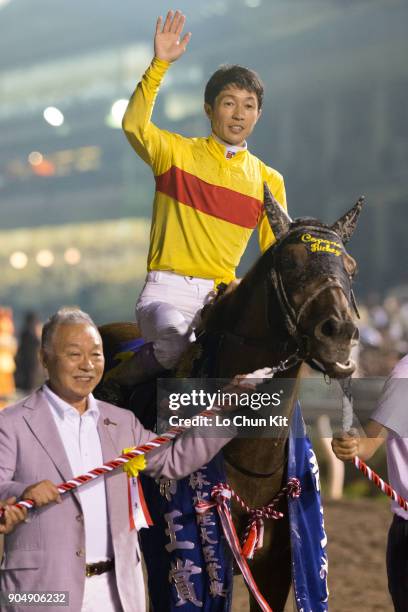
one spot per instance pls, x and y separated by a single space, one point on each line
334 123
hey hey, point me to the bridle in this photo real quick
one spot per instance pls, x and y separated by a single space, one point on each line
292 316
275 288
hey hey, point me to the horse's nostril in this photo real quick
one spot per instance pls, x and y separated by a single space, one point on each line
330 328
334 328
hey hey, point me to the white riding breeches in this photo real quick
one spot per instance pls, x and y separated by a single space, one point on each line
166 312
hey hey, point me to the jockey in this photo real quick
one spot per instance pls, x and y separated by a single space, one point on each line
208 199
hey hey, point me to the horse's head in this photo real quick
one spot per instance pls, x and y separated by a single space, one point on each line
312 275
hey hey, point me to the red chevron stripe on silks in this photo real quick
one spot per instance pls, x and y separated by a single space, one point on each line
213 200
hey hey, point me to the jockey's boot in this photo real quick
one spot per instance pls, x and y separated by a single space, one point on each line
142 366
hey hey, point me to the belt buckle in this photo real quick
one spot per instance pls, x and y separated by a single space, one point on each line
90 570
95 569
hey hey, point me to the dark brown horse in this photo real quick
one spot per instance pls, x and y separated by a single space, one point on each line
295 305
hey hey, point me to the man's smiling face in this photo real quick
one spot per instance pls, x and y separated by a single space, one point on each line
234 114
74 362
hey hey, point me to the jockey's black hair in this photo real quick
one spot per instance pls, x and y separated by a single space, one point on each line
233 74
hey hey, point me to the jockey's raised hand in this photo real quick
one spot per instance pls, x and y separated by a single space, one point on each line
167 43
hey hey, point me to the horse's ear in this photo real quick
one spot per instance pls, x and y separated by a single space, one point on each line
346 225
278 219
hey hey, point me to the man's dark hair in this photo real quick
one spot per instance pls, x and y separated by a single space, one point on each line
233 74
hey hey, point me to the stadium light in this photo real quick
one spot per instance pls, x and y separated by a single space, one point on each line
18 260
53 116
72 256
35 158
114 119
45 258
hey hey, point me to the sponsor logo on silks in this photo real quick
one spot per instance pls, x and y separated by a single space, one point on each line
322 245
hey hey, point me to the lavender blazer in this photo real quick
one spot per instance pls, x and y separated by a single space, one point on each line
48 553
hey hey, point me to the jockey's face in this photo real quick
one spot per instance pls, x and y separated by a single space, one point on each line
234 114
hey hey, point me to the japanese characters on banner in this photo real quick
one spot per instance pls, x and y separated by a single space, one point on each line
189 552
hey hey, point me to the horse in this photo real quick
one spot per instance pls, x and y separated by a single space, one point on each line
294 306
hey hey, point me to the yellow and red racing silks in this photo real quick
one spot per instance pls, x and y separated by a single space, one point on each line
206 205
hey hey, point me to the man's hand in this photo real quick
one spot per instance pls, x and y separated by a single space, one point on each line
167 43
12 516
42 493
244 384
346 445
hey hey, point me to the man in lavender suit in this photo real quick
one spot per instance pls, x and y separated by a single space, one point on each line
81 543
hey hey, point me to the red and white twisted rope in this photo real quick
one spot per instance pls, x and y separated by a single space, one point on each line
253 535
347 412
220 495
380 483
74 483
109 466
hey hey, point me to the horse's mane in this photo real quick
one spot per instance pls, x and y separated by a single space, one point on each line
227 307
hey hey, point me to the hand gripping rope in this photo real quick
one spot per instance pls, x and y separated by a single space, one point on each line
109 466
347 420
125 457
221 493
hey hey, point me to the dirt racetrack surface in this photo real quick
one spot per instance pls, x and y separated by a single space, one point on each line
357 533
